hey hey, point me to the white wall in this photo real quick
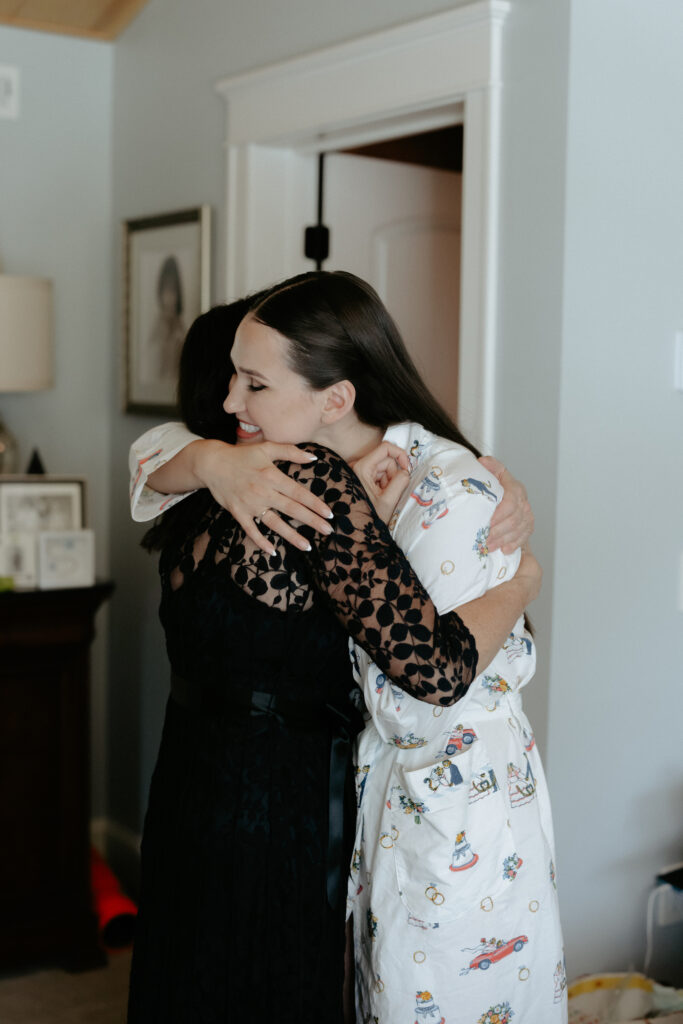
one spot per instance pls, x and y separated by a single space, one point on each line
532 206
55 221
615 705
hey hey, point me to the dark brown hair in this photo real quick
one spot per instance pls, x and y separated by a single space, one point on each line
204 377
339 329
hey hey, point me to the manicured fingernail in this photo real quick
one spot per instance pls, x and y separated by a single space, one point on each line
326 528
329 515
307 548
311 457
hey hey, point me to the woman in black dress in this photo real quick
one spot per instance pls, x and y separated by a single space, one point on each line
245 847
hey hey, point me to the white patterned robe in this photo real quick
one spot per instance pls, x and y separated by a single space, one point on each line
452 883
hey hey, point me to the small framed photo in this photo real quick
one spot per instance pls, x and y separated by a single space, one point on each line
167 285
66 558
18 558
30 504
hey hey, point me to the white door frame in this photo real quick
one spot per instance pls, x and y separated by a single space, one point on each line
439 70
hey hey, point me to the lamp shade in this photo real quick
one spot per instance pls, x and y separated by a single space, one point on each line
25 333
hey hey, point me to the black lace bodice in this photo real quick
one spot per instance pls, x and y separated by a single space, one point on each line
357 572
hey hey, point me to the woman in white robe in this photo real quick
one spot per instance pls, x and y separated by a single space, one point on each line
452 882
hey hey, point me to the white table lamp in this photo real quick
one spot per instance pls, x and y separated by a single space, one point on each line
25 346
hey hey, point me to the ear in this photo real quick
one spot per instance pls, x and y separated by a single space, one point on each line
338 400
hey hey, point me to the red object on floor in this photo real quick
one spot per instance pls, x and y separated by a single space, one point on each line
115 912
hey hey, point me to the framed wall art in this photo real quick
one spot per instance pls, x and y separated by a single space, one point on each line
31 504
166 286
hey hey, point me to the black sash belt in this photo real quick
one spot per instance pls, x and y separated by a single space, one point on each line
344 726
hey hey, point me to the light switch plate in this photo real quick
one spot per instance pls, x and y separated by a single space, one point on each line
678 361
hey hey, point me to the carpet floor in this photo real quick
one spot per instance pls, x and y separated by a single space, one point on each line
57 997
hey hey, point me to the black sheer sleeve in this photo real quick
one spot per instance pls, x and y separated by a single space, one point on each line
374 592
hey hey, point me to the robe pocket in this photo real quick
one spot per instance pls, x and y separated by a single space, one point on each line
451 836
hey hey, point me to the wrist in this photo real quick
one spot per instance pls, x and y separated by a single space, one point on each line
204 455
530 586
518 593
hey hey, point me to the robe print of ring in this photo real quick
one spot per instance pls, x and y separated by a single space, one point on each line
387 840
486 904
524 973
447 568
433 894
419 956
533 906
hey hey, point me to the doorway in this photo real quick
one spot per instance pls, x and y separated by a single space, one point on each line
414 78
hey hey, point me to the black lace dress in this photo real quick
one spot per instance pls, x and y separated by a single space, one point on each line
245 845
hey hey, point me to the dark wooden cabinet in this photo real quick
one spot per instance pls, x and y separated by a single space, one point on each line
45 900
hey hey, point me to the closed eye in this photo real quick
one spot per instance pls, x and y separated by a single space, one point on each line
255 387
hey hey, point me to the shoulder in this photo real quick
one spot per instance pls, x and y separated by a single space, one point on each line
453 466
328 473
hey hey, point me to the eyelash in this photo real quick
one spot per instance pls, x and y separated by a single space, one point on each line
255 387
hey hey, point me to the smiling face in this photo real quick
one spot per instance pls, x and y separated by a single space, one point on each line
271 401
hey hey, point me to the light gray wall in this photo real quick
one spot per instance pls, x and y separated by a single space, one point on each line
532 205
615 706
55 221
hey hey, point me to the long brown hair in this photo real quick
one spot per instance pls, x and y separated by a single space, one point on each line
339 329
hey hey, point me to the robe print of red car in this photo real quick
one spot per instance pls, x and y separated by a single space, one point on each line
458 737
484 960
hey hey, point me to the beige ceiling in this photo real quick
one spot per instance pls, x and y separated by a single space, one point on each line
92 19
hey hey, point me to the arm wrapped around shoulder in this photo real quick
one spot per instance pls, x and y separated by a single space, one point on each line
375 593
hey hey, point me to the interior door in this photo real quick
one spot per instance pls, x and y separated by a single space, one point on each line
397 225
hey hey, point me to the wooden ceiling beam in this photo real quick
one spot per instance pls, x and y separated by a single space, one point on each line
102 20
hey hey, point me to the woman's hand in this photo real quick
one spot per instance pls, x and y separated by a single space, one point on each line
244 481
384 473
513 521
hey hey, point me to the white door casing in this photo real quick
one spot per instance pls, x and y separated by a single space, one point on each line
438 70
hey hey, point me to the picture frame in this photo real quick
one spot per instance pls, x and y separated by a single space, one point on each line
34 503
167 284
18 558
66 558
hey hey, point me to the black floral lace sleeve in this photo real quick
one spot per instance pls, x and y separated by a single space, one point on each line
374 592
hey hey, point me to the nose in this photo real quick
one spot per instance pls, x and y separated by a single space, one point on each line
231 403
